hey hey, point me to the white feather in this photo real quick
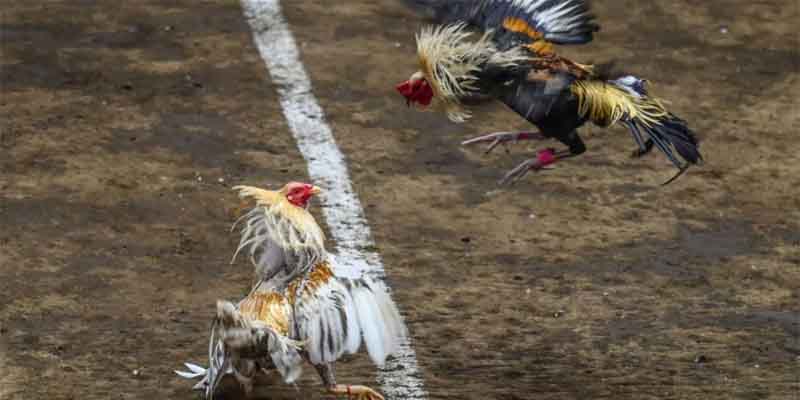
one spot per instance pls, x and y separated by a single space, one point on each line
390 315
188 375
353 334
195 368
314 338
202 385
334 335
370 321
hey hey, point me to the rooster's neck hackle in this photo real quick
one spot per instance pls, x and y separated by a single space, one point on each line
451 62
276 219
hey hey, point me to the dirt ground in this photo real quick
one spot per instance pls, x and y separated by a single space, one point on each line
124 124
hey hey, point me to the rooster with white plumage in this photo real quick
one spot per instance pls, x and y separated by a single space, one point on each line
301 308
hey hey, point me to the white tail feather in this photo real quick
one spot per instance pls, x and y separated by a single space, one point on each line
353 334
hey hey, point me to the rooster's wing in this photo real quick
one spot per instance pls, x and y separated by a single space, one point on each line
532 23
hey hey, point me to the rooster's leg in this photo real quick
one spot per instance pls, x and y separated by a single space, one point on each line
245 372
642 150
543 158
353 392
575 146
497 138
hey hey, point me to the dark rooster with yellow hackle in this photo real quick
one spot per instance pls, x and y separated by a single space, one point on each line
514 61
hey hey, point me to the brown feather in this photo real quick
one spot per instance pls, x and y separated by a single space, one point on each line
272 308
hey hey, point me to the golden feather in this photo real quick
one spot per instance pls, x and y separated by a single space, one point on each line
538 45
276 204
272 308
605 104
262 197
321 274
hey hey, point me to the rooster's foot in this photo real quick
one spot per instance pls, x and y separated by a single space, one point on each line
497 138
543 158
356 392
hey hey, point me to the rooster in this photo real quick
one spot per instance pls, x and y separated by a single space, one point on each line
514 61
299 309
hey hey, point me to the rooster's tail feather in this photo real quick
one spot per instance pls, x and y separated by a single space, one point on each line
626 100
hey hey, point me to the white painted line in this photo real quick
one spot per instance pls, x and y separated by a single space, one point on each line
400 378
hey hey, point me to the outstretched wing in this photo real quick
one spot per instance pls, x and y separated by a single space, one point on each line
333 317
219 364
519 21
256 330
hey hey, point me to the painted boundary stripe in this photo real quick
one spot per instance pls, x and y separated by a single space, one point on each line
400 378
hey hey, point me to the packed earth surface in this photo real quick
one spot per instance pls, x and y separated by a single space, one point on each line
124 126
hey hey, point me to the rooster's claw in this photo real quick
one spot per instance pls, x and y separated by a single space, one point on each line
502 138
543 158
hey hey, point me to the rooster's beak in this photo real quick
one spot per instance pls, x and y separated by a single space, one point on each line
315 190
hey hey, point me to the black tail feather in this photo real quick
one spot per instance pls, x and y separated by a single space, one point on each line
671 135
675 131
637 136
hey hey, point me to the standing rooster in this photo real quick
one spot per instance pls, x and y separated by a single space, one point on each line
299 309
514 62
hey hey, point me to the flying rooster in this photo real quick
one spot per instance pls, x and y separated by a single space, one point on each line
299 309
514 61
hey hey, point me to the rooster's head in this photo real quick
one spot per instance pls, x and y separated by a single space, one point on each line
416 90
299 193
